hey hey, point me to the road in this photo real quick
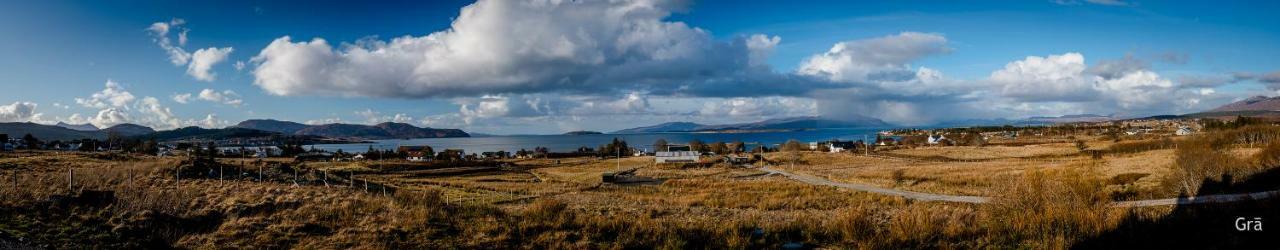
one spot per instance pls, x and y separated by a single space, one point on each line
1219 198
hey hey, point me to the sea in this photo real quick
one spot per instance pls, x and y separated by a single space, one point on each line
569 143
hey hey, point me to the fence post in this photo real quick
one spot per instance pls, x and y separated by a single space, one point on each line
259 173
219 175
325 173
71 180
366 186
351 179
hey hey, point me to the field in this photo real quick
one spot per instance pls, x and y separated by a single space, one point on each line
1043 195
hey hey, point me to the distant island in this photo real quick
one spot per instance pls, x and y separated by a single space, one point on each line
771 125
261 130
582 132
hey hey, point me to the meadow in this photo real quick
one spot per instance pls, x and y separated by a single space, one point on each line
1050 194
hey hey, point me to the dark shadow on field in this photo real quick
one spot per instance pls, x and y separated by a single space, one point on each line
1204 226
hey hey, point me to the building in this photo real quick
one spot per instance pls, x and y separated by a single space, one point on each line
452 155
935 139
1184 131
813 145
676 157
841 146
416 153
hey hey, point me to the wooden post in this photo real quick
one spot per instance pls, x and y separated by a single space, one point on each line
326 177
366 186
351 179
219 175
71 179
384 190
259 173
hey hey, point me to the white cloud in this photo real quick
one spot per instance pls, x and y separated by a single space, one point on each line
202 62
182 98
109 117
160 34
375 117
878 59
323 121
504 47
19 112
209 121
1052 78
239 65
760 107
113 95
157 116
227 97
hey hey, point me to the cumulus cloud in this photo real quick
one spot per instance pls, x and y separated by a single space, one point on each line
878 59
199 64
1111 69
202 62
181 98
113 95
375 117
1052 78
506 47
109 117
160 35
760 107
227 97
156 115
19 112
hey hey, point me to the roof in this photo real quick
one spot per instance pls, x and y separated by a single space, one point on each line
677 154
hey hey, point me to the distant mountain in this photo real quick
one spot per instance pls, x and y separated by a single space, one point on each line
128 129
284 127
47 132
81 127
793 123
664 127
386 130
194 132
1256 103
1075 118
406 131
582 132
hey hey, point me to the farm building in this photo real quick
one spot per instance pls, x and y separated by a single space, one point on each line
676 157
416 153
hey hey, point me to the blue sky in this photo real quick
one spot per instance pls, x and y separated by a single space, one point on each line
907 62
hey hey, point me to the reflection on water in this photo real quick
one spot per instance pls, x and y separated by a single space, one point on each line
564 143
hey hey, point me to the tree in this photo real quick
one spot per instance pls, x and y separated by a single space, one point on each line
792 145
737 147
660 145
697 145
719 148
30 141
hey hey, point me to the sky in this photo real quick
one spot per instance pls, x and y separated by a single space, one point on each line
549 66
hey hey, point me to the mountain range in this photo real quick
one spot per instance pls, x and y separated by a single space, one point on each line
386 130
1256 103
792 123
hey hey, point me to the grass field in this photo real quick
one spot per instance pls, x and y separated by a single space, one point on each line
1045 195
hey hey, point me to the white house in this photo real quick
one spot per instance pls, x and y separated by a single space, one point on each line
358 157
935 139
676 157
1184 131
813 145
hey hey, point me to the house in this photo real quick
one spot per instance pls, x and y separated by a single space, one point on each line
676 157
813 145
452 154
935 139
841 146
1184 131
416 153
639 152
358 157
737 159
886 141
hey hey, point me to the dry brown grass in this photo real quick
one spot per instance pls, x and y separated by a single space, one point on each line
1045 197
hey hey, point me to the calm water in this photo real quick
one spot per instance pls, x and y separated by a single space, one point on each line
566 143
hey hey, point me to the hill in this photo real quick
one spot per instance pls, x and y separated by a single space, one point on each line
81 127
664 127
194 132
128 129
386 130
582 132
283 127
47 132
793 123
1256 103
